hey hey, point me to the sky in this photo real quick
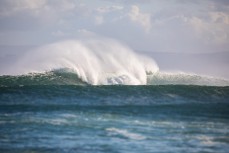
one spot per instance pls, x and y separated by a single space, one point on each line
180 35
183 26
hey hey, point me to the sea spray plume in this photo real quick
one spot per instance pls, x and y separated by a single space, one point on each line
96 62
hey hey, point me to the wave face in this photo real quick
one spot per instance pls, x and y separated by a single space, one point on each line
69 77
57 77
96 62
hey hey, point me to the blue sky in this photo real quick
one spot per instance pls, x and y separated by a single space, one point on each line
145 25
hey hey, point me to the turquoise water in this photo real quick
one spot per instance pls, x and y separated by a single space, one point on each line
84 118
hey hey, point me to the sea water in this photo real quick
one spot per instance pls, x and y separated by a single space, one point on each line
68 118
101 97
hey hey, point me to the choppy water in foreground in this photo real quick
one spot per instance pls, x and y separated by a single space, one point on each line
162 119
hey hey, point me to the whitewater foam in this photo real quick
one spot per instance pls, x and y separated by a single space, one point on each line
181 78
97 62
125 133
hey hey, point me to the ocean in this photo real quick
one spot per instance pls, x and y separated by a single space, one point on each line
114 118
85 97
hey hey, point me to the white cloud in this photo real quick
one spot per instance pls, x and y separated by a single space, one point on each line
219 17
143 19
99 20
107 9
34 7
175 23
213 29
61 5
59 33
85 32
11 7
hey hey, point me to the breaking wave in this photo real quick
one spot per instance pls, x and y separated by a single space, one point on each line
94 62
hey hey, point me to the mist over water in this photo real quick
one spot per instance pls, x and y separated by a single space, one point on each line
94 61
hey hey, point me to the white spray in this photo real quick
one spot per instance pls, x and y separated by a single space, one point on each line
97 62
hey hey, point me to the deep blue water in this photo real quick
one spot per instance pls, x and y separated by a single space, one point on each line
113 119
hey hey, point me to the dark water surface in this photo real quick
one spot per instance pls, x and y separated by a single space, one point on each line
126 119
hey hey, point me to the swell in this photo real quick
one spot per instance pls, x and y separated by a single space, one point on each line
55 77
69 77
112 95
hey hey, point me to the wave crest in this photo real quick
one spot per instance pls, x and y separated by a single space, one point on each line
97 62
94 62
